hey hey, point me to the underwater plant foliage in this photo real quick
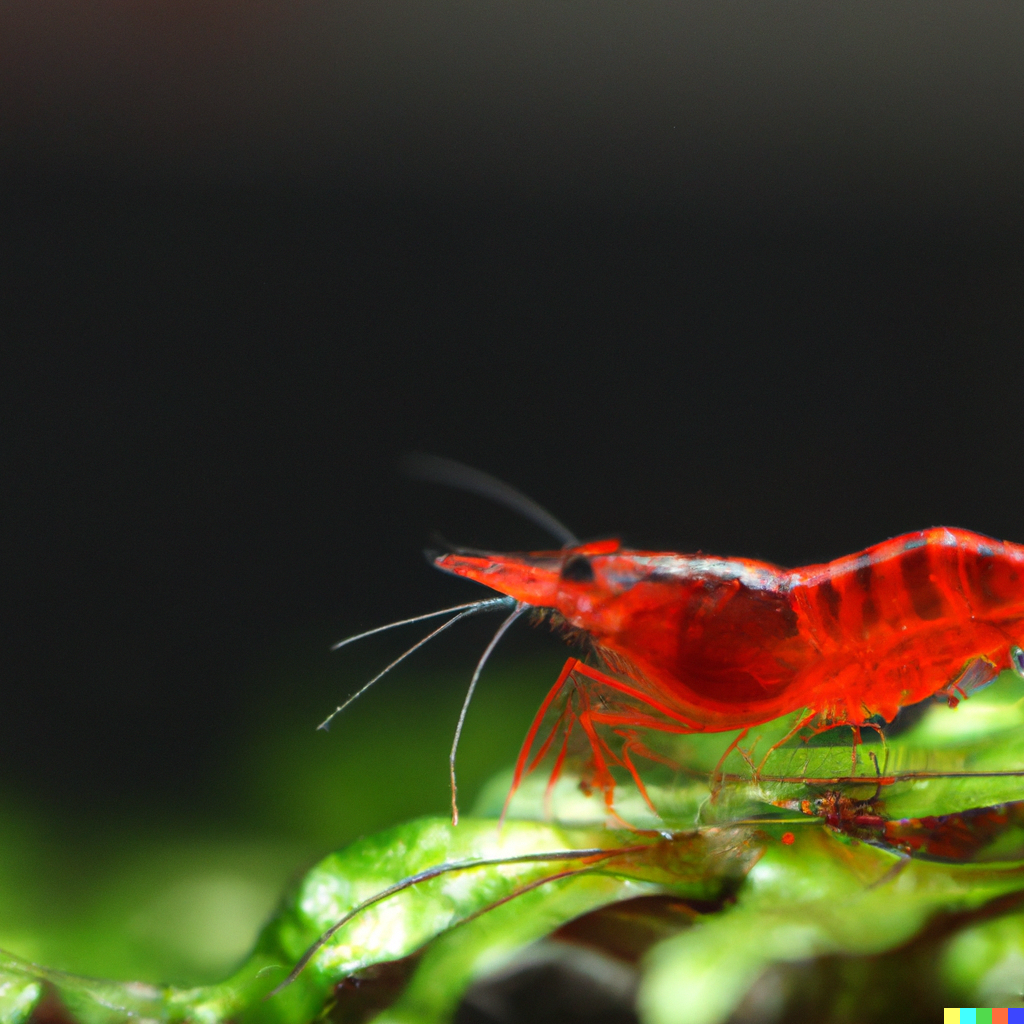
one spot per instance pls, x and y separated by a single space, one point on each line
832 881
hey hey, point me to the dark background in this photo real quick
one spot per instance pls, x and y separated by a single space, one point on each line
738 277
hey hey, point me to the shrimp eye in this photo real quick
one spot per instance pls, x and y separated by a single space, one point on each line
578 570
1017 661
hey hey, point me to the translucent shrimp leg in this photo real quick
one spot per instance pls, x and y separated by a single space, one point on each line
573 667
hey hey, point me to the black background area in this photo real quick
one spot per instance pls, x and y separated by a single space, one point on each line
728 280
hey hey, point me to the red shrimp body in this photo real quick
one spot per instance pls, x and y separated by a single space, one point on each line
726 643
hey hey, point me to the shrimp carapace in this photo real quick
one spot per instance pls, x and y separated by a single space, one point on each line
703 644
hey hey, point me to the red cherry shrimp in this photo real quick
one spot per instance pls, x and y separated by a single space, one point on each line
691 643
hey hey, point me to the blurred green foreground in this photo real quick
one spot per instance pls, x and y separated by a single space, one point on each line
739 904
161 896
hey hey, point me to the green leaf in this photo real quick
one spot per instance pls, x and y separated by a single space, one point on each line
18 996
822 895
985 962
696 866
461 902
614 865
492 940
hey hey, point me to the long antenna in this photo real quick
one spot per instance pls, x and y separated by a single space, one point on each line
437 470
520 608
472 610
478 606
593 854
